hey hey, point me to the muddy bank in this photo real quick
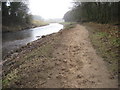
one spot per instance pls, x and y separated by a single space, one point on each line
62 60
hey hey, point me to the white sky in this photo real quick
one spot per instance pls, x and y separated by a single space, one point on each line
50 8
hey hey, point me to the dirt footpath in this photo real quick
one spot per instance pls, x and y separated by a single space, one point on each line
65 60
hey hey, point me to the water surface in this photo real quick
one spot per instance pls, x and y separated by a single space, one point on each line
14 40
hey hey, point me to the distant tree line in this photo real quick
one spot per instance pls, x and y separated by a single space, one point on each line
14 13
101 12
37 17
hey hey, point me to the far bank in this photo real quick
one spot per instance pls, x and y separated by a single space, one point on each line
14 28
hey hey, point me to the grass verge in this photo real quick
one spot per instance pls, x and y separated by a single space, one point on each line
68 25
104 38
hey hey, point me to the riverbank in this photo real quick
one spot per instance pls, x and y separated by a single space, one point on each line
21 27
65 59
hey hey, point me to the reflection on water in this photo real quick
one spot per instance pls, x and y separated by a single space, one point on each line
14 40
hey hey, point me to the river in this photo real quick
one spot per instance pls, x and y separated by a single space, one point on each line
14 40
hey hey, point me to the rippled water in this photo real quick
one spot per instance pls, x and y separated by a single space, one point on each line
14 40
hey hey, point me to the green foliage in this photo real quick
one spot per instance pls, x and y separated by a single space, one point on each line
101 12
10 77
101 34
16 13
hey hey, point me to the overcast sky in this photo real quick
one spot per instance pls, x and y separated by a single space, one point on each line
50 8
